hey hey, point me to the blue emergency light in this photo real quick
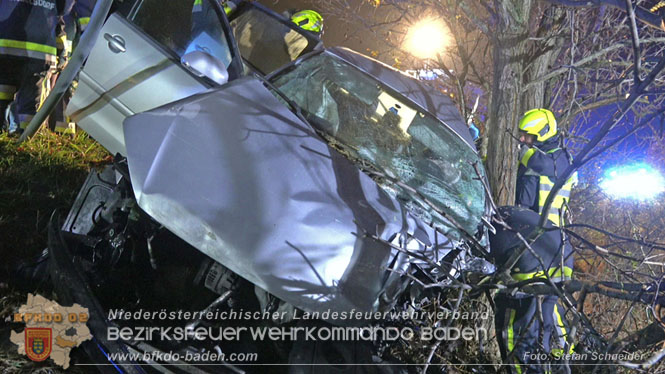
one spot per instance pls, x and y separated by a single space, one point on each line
636 181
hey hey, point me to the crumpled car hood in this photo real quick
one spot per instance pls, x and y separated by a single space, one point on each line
238 176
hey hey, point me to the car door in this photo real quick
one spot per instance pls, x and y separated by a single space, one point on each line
141 60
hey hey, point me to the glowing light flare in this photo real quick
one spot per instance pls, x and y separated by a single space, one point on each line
638 181
426 38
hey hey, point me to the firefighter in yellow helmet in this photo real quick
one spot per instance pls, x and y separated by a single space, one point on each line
541 161
527 324
309 20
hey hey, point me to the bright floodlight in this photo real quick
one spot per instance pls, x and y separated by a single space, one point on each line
426 38
638 181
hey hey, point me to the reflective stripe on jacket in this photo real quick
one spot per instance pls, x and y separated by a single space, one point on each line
562 197
83 22
27 49
551 256
544 167
27 27
7 92
554 273
82 11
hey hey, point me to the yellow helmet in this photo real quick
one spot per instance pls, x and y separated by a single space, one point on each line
539 122
308 20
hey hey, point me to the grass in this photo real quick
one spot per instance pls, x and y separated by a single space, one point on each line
37 178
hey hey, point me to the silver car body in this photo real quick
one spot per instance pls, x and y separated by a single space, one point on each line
261 193
114 86
233 172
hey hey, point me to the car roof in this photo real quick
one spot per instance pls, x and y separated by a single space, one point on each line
421 93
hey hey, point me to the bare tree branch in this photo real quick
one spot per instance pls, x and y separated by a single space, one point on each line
642 14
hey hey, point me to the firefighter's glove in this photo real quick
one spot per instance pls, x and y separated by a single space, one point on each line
62 61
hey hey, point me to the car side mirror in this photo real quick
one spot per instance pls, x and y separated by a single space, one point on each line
203 64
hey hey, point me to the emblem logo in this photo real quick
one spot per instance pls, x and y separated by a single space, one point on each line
38 343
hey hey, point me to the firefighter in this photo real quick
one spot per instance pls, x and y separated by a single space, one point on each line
73 27
541 161
524 334
81 12
309 20
64 44
27 53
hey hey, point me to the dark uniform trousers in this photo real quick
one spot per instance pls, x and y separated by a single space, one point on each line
25 78
531 329
527 337
27 52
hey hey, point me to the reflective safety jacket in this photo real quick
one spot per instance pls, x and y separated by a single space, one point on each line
82 11
537 173
28 27
556 256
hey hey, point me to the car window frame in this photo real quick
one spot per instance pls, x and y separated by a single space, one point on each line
314 43
235 68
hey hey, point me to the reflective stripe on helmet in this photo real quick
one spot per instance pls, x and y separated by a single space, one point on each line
533 123
539 122
308 20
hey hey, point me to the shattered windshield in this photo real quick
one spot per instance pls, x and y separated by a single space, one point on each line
399 139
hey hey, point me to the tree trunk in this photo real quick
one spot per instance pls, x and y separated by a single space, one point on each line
548 50
510 46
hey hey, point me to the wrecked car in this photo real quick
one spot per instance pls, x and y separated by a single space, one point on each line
256 169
